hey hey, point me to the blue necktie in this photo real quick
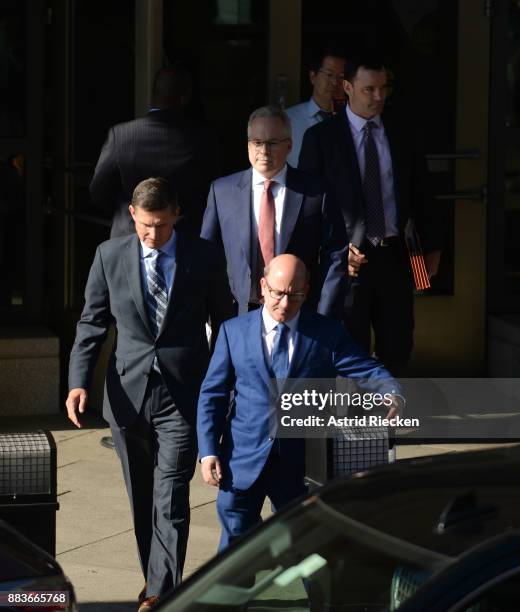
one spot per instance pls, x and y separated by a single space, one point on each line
280 354
374 213
157 292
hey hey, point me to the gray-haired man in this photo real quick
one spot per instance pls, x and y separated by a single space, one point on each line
271 209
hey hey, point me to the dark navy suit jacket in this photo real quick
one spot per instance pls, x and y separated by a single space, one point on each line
243 440
312 229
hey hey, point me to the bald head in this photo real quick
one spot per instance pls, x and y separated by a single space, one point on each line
284 287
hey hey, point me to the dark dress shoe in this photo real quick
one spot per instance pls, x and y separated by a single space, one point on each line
142 595
148 604
107 442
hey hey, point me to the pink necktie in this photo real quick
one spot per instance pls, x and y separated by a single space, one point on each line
266 223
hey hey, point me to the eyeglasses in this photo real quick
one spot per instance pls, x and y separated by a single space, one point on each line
276 294
268 144
331 76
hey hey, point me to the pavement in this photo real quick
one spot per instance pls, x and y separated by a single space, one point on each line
95 542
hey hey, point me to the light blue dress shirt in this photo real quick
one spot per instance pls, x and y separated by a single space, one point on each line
166 262
302 116
357 127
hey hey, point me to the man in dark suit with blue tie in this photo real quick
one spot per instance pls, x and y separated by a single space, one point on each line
238 451
272 209
158 286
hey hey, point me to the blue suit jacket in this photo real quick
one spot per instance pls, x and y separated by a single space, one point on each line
312 229
323 349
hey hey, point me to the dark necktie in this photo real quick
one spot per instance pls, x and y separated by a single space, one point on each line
324 114
280 354
374 213
157 292
266 223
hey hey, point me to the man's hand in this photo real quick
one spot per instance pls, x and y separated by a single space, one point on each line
396 407
355 260
211 471
76 402
431 262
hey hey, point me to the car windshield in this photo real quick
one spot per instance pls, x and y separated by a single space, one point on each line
312 557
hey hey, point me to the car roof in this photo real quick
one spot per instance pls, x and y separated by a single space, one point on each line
444 503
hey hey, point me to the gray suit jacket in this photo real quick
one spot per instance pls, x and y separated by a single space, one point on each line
312 229
114 294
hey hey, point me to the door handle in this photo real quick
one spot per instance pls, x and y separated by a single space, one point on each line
480 195
472 154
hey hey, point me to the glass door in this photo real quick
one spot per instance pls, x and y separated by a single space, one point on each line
21 58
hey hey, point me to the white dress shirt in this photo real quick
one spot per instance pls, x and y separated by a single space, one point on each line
269 333
278 191
357 127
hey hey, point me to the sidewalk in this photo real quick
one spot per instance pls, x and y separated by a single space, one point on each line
95 541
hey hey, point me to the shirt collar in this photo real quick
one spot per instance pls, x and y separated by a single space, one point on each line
359 122
313 108
168 248
279 178
270 323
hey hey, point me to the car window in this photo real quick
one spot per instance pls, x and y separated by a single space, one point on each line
315 558
501 595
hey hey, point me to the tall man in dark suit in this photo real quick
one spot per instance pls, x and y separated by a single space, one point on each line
378 178
238 451
163 143
158 286
271 209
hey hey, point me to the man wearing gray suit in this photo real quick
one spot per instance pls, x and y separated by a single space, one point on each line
271 209
158 286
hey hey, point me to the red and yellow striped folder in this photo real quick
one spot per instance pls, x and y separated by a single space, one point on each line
415 253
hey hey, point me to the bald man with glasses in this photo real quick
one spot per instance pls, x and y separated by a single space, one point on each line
240 453
271 209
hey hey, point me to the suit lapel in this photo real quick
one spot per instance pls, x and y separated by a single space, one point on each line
302 346
255 345
291 210
180 275
242 214
132 263
350 156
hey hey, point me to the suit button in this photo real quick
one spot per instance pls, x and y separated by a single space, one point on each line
271 438
147 374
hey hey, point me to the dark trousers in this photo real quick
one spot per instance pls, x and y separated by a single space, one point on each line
158 453
381 297
239 510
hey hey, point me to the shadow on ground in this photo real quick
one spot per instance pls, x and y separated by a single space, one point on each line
53 422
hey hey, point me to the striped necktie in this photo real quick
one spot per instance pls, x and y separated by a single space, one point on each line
157 292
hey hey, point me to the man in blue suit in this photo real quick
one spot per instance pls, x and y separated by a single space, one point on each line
271 209
238 450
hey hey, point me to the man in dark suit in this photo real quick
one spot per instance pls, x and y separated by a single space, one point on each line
378 177
271 209
163 143
158 287
238 451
